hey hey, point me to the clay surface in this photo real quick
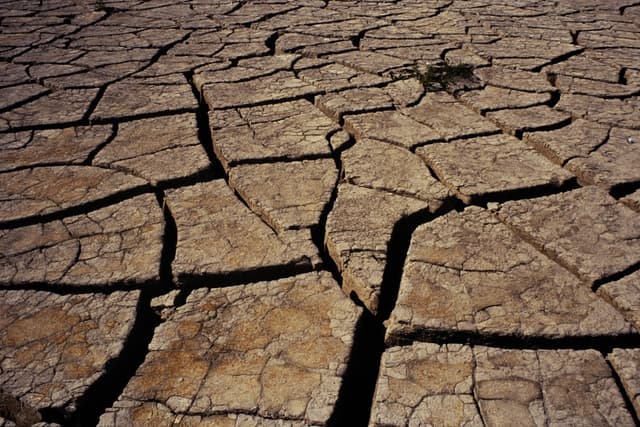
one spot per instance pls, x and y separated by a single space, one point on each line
319 212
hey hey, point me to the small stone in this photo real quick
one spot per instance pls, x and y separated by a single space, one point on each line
585 230
483 167
166 300
339 140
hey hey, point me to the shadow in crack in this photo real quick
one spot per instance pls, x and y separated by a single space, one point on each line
353 406
14 410
242 277
118 371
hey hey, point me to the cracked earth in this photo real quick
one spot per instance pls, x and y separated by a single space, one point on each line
255 213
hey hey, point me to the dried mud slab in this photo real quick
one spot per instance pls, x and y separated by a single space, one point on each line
218 236
449 118
374 164
335 77
522 52
289 195
614 112
358 232
513 79
405 93
140 96
579 139
20 94
589 87
29 193
155 413
53 347
612 163
58 108
547 387
371 62
393 126
468 273
429 384
246 69
113 246
353 101
624 295
306 44
541 117
493 98
426 384
70 145
286 131
585 230
626 363
157 149
487 166
583 66
275 349
278 87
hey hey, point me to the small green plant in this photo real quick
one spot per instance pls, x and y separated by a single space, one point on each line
438 76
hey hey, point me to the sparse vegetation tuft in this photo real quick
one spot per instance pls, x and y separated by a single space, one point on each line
100 6
438 76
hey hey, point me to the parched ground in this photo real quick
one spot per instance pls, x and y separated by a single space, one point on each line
259 213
